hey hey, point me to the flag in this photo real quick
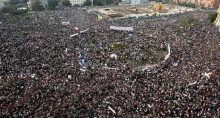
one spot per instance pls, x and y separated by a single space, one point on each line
66 23
82 60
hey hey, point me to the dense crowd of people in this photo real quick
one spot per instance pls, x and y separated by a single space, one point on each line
41 72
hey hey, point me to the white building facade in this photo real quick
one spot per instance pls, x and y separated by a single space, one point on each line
76 2
135 2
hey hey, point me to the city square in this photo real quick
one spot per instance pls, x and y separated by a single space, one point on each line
86 62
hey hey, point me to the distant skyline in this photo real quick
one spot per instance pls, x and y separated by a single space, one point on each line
134 2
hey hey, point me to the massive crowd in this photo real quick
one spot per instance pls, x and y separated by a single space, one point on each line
40 73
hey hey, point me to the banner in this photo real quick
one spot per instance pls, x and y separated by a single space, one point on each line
168 50
100 17
74 35
83 31
66 23
121 28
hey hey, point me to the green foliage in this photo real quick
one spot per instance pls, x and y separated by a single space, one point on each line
117 45
87 3
166 1
52 4
159 0
187 21
66 3
11 8
102 2
98 2
20 12
116 2
187 4
212 16
12 2
36 6
203 7
109 2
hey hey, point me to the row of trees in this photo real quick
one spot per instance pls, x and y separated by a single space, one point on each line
36 4
12 5
102 2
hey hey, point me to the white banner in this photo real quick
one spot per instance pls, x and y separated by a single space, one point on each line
84 31
121 28
66 23
74 35
168 55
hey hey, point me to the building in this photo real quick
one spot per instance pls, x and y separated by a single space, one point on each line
217 21
205 3
76 2
135 2
2 3
44 3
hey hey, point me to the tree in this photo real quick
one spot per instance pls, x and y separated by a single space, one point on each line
87 3
66 3
212 16
52 4
12 2
25 1
9 8
116 2
159 0
99 2
37 6
109 2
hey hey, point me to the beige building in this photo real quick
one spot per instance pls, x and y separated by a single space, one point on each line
217 21
205 3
